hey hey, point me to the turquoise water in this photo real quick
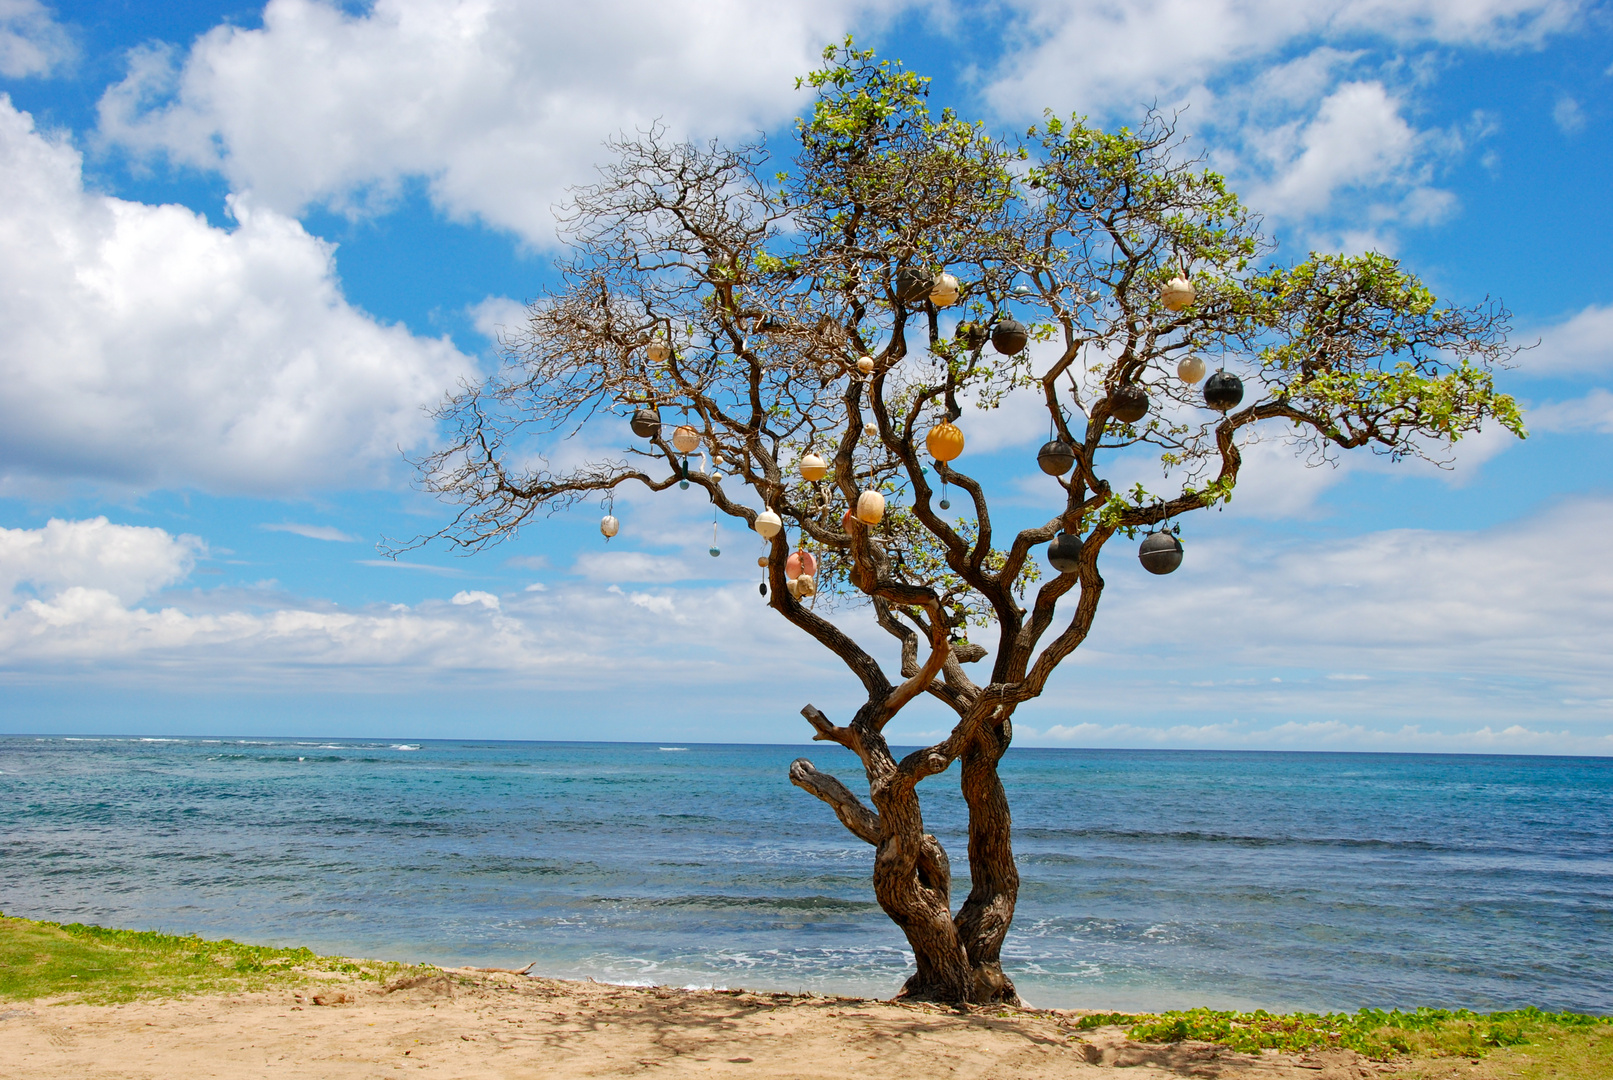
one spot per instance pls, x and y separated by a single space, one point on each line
1151 878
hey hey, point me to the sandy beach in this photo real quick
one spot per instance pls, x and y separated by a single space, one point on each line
477 1024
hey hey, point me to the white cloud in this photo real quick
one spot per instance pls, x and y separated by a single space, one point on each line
1593 412
1019 420
90 626
474 97
1323 735
1275 482
1357 138
500 105
660 604
31 42
1308 129
312 532
142 346
498 317
1302 81
634 566
1398 640
84 596
1581 345
1500 625
1347 155
1567 115
1405 640
125 562
1116 54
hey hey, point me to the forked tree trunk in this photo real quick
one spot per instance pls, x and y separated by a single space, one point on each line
958 958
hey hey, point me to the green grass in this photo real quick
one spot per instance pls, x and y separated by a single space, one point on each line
1374 1033
74 962
95 965
1584 1053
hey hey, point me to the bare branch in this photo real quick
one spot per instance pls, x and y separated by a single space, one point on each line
861 821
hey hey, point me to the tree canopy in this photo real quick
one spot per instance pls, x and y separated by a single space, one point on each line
1087 266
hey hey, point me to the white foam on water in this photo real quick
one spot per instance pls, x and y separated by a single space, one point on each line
623 982
404 746
685 748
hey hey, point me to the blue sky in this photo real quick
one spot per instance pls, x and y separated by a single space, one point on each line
241 247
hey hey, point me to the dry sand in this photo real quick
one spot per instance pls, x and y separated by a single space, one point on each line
474 1024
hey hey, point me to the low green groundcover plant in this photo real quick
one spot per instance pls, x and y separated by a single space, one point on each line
75 962
94 964
1374 1033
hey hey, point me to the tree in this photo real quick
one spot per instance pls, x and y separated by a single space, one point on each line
698 281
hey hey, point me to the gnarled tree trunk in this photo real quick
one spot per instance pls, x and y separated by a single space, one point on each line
957 957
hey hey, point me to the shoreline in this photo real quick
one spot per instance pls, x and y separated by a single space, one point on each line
86 1002
706 868
461 1022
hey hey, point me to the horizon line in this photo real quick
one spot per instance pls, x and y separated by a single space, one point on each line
685 744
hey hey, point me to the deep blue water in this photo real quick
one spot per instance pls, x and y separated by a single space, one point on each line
1151 878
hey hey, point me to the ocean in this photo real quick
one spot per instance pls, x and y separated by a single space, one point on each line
1151 879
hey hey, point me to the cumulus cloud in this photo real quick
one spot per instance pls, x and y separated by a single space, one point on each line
1593 412
1442 600
92 596
31 42
1489 641
1474 641
474 98
1348 157
1496 625
1581 345
1115 54
500 105
1307 128
498 317
1356 138
125 562
89 626
141 345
